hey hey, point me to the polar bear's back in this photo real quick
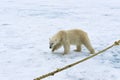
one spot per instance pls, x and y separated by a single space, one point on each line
76 32
76 35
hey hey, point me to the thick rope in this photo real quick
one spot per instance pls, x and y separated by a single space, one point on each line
73 64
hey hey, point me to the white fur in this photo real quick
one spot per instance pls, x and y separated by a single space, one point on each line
66 38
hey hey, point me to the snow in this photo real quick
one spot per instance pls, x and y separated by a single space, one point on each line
25 28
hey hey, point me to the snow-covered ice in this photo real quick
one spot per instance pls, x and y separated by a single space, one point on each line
25 28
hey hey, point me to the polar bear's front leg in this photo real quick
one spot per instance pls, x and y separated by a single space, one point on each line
66 47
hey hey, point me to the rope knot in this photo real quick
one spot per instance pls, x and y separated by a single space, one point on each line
117 42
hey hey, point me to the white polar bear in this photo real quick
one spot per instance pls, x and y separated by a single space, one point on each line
66 38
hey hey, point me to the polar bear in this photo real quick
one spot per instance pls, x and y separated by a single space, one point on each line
66 38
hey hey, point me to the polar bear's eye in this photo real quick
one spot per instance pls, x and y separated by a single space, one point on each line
51 43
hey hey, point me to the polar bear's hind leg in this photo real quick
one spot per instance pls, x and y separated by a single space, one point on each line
78 48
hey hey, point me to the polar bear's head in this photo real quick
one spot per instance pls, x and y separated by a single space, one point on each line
54 41
57 39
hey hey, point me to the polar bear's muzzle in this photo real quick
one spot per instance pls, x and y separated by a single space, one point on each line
51 45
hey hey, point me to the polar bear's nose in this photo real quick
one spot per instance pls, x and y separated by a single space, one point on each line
51 44
50 47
